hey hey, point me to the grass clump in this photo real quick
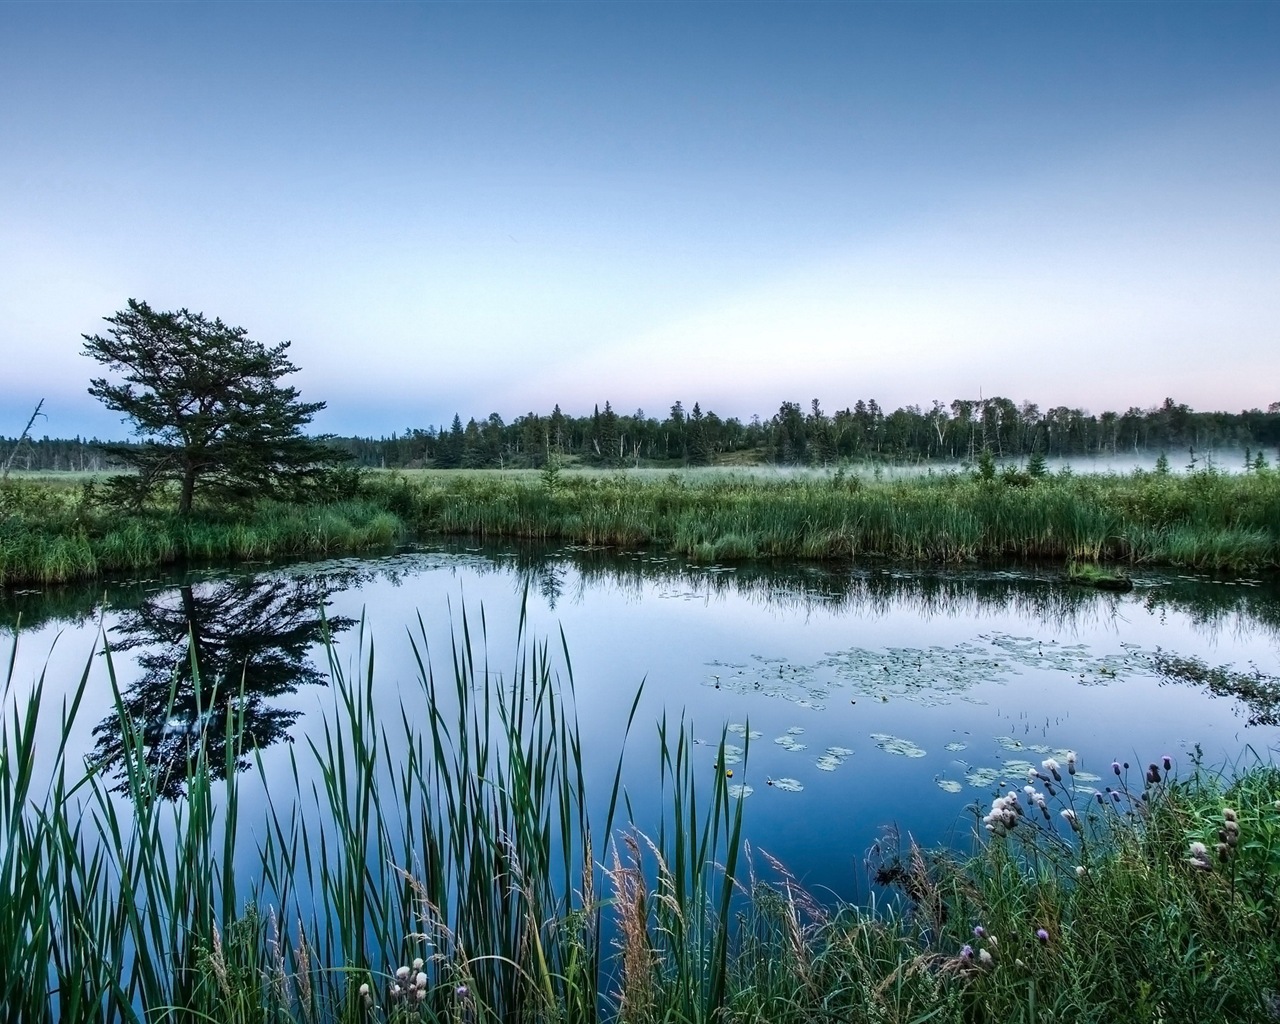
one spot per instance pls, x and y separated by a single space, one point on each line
1085 574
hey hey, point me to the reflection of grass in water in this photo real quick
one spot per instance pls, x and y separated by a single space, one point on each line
1211 605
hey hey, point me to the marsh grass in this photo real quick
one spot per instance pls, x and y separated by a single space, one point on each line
1205 520
52 535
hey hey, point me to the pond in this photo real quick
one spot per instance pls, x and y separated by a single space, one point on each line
861 697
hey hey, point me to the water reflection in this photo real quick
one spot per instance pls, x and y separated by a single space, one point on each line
213 660
255 635
1030 592
568 573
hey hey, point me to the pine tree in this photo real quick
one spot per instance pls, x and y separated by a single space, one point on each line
699 445
205 402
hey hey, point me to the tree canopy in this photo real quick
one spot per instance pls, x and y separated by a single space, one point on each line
207 405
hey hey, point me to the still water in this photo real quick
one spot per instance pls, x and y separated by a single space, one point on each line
861 698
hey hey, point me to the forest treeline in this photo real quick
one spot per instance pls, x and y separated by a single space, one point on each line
794 435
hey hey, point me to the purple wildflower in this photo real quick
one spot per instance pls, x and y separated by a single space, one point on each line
1042 935
966 952
978 931
1115 767
1168 763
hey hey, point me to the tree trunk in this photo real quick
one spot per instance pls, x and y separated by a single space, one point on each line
188 490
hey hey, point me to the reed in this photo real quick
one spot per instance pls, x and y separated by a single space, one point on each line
440 854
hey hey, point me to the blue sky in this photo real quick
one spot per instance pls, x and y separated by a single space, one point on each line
481 207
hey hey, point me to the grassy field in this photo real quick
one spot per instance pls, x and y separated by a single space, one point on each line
466 881
1206 520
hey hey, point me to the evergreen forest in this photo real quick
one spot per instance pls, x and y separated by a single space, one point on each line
794 435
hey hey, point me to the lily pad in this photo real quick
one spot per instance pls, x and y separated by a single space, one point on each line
896 745
982 778
788 785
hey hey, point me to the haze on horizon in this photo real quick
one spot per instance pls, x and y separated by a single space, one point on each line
500 207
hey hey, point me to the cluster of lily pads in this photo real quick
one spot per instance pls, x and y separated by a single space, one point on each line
931 677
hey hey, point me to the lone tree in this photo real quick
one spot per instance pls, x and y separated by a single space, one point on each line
206 404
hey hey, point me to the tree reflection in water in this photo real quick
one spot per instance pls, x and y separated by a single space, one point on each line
213 659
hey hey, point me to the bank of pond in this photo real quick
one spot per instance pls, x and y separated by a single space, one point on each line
1206 520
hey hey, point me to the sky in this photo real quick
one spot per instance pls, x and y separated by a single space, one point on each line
498 207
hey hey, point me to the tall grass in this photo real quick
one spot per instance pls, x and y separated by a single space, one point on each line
1205 520
448 839
50 535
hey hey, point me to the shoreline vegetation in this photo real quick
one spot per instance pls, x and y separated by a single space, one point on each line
56 531
476 880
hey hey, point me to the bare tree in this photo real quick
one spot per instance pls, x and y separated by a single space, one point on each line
22 438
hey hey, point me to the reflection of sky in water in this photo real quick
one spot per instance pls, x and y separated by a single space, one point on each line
854 707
